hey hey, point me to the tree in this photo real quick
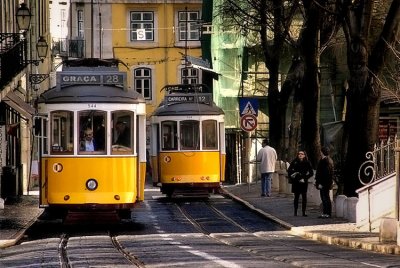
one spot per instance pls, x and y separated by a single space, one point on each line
271 20
365 58
309 48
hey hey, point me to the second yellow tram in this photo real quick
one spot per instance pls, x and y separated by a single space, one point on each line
188 142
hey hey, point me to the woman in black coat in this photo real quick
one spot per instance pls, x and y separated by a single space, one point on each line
299 171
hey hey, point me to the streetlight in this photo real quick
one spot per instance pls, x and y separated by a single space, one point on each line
23 17
41 49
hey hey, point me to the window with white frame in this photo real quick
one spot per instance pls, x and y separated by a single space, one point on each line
63 19
189 27
63 27
142 25
81 29
142 82
189 76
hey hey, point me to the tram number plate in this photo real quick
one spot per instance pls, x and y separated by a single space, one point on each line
199 98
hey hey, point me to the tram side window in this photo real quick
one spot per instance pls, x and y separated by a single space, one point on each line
92 132
169 135
209 132
122 133
62 132
189 135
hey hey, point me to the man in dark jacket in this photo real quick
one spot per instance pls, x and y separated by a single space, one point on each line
324 181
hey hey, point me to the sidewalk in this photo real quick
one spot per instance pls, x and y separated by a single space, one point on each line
279 208
17 216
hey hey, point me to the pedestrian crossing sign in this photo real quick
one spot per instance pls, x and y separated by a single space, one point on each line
248 106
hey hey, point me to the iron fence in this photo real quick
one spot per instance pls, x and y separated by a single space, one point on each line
68 48
380 162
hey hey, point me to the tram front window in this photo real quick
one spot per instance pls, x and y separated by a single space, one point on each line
210 137
190 138
169 134
123 125
62 132
92 131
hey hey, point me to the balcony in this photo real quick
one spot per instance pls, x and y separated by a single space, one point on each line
12 57
68 48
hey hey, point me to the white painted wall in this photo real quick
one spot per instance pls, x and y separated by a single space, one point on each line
376 201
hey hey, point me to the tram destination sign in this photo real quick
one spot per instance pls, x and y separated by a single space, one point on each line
68 78
189 98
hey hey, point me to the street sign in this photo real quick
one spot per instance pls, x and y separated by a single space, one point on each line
141 34
198 62
248 122
248 106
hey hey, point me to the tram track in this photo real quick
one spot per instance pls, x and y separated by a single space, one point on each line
199 226
250 235
214 233
62 249
127 255
65 256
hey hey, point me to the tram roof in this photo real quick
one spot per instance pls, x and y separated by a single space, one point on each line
90 93
187 109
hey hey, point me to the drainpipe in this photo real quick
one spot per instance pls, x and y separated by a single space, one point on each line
92 29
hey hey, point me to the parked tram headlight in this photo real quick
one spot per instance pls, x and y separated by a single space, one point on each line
91 184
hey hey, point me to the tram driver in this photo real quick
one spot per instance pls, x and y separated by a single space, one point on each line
88 144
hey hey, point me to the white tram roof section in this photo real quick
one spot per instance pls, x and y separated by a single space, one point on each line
187 100
91 80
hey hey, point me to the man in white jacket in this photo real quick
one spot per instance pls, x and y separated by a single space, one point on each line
267 158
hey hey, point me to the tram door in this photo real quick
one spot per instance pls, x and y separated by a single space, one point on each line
40 144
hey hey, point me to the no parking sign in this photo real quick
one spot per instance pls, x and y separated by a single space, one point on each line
248 122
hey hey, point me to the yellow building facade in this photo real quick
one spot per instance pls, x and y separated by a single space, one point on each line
152 38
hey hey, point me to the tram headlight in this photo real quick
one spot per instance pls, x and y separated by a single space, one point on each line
91 184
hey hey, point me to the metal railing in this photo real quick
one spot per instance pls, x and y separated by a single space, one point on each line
12 56
68 48
380 163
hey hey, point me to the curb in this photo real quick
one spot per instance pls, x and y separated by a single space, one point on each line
350 243
18 235
331 240
257 210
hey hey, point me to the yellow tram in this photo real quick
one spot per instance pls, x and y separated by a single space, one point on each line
91 131
188 142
